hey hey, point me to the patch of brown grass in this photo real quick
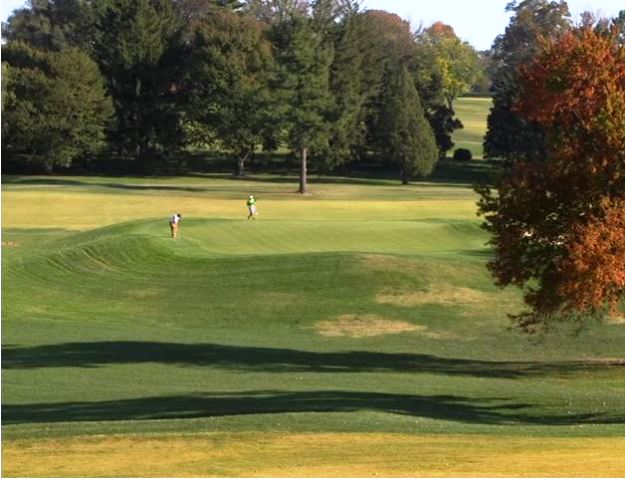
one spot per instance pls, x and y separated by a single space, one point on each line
386 263
357 326
256 454
441 294
10 244
440 291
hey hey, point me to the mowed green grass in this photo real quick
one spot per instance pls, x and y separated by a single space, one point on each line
356 316
472 112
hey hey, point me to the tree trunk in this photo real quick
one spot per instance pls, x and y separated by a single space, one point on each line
241 164
450 102
303 181
405 176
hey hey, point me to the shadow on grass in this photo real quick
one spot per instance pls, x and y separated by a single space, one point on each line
442 407
273 178
485 253
112 185
265 359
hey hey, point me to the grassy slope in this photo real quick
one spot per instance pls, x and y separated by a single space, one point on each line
472 112
109 327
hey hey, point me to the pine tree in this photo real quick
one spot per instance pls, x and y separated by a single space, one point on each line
404 136
303 87
346 84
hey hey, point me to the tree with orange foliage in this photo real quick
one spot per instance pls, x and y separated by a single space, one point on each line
558 225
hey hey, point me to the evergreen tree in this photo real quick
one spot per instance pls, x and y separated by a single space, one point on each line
386 41
346 83
4 77
404 135
303 87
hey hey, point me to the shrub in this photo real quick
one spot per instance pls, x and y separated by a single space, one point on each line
463 154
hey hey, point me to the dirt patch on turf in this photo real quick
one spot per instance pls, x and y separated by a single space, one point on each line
437 294
10 244
357 326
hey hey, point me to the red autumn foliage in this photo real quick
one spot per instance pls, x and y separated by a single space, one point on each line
558 225
440 29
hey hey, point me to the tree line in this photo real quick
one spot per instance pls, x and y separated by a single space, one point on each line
134 82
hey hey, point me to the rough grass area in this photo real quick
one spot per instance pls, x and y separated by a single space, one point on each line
255 454
354 331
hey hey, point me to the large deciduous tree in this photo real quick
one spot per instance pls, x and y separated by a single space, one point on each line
457 62
439 75
276 11
56 107
53 24
558 225
510 136
139 52
231 59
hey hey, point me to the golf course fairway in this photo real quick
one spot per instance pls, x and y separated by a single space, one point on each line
354 331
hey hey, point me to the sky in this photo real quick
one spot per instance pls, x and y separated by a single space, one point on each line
476 21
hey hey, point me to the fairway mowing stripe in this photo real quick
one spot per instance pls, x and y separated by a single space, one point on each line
256 454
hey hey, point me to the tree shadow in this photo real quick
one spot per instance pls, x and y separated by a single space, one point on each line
276 178
94 354
485 253
494 411
21 180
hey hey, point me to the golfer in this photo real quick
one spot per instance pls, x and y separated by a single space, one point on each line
251 206
174 221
